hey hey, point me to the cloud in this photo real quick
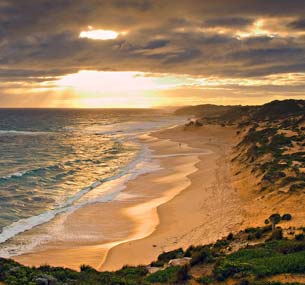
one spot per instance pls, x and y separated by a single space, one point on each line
39 39
230 22
297 24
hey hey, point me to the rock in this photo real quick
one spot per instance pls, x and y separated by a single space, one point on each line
153 269
41 281
179 261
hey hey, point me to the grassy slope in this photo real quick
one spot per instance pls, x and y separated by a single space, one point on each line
257 258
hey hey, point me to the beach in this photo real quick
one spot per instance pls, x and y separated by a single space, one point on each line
189 200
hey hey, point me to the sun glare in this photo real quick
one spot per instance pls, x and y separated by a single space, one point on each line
257 30
111 89
100 34
108 81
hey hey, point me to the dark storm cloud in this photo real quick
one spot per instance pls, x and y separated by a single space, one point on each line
235 22
141 5
298 24
41 38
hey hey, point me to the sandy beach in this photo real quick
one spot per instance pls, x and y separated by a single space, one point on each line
196 197
190 200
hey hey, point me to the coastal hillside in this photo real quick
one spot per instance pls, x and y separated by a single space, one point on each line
272 146
274 110
271 141
265 255
205 110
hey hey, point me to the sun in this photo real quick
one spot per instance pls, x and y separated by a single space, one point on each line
100 34
110 89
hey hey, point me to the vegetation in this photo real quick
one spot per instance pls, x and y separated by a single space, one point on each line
165 257
273 254
272 137
286 217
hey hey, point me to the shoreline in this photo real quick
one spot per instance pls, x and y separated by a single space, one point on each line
189 229
103 254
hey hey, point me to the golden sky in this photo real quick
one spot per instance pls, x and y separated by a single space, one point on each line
150 53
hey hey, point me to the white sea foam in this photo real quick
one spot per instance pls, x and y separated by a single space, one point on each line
133 127
15 174
182 154
101 191
104 190
14 132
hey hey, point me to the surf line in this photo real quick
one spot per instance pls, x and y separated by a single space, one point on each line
181 154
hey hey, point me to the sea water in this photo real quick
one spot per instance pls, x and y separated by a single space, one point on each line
51 161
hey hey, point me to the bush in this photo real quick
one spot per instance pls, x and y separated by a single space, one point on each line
299 237
221 243
205 280
86 268
277 234
188 252
228 269
271 258
183 273
254 233
167 275
167 256
258 234
295 187
275 218
230 236
133 272
244 282
286 217
200 256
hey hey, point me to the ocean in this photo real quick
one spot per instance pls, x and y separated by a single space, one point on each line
53 160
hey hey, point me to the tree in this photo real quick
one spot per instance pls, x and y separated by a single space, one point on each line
274 219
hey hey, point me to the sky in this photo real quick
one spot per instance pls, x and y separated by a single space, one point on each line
150 53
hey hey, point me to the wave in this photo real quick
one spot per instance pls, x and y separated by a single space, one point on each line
14 175
182 154
14 132
33 171
131 171
57 166
133 127
103 190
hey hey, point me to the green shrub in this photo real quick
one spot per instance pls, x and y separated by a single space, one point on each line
221 243
276 257
86 268
254 233
167 275
201 255
205 280
252 253
228 269
165 257
132 272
